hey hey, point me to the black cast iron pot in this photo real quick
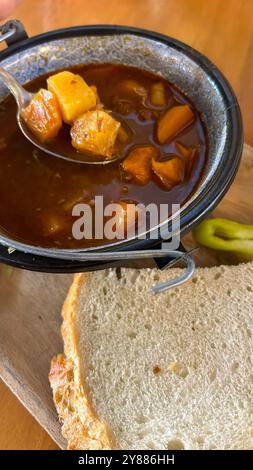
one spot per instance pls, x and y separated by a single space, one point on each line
26 58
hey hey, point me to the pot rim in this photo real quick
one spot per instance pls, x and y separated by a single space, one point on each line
213 192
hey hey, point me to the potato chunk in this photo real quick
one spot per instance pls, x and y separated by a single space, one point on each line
174 121
158 94
43 116
138 163
53 224
95 132
170 172
74 95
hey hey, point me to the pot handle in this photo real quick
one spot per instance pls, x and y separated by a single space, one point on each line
165 262
181 278
11 32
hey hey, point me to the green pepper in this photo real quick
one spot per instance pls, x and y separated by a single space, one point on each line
226 235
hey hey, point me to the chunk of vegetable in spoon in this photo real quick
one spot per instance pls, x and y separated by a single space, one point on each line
174 121
95 132
43 115
75 97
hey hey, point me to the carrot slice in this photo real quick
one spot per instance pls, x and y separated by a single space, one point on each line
170 172
43 116
53 224
174 121
138 163
123 136
75 97
132 87
99 104
95 132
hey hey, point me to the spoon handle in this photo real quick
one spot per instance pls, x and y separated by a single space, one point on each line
21 96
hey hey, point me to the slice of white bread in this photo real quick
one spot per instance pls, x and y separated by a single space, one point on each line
172 371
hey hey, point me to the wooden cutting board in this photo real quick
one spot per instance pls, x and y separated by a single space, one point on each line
30 305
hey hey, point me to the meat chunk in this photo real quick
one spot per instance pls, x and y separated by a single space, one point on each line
95 132
99 104
43 116
138 163
170 172
75 97
123 136
174 121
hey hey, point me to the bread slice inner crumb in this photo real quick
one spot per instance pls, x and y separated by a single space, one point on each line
172 371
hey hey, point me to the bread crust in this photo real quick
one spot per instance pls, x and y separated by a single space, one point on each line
80 424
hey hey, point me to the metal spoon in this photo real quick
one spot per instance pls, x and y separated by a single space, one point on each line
23 98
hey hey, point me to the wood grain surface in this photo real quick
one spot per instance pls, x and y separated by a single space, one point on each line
221 29
18 427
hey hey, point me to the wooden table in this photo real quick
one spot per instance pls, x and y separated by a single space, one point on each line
221 29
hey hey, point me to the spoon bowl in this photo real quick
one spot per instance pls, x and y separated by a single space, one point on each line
23 98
